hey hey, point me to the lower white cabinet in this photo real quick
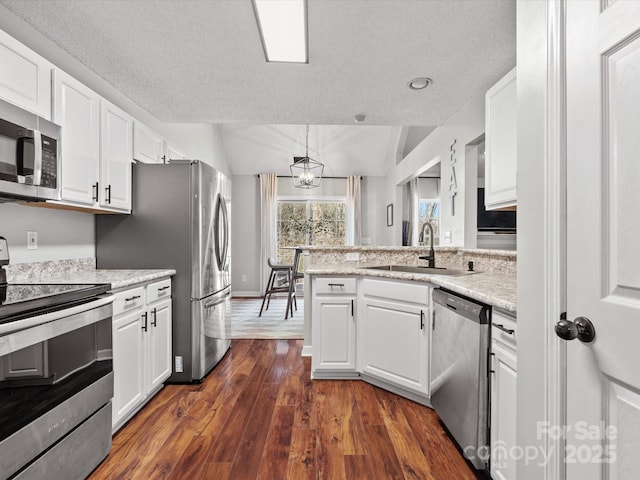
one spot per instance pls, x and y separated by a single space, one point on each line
393 334
504 368
141 346
128 364
334 327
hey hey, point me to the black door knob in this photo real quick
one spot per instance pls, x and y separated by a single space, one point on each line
581 328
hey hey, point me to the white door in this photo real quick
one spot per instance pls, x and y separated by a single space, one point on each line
116 155
603 235
159 337
334 334
128 364
76 110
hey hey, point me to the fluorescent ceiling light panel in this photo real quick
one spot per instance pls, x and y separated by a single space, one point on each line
283 28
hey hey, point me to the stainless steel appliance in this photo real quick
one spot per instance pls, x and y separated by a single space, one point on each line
180 220
29 158
56 380
459 372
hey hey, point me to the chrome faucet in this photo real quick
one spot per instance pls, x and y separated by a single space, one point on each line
431 258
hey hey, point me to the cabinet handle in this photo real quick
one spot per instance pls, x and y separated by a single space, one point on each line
352 307
96 190
341 285
499 326
131 299
164 288
155 314
144 327
108 191
433 317
421 319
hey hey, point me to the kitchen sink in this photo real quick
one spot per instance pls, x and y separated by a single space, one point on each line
418 269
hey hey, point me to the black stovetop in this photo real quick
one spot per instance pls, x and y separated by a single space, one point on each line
20 300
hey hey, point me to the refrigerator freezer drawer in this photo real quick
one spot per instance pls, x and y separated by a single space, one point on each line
211 331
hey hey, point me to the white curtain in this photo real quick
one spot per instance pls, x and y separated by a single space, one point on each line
268 227
353 230
413 200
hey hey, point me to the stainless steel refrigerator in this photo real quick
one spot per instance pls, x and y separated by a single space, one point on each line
180 219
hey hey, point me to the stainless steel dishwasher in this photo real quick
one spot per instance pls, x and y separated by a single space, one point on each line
459 372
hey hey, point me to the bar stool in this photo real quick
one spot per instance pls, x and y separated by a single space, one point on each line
295 276
278 271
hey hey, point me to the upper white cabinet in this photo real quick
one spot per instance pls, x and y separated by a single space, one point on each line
77 109
116 147
172 152
96 148
148 146
25 77
501 144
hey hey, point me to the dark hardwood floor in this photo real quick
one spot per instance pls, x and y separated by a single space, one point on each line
259 416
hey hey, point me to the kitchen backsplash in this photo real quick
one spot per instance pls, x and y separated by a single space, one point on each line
492 261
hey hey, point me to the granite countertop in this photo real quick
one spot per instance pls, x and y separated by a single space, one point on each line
117 278
496 289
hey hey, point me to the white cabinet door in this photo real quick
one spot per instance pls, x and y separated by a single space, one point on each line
148 146
25 77
503 412
116 131
159 343
500 143
394 343
334 334
172 152
128 364
76 109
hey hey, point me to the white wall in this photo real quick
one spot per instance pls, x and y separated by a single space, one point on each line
464 127
245 235
62 235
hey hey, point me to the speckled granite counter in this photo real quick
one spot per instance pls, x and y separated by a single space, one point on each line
496 289
81 271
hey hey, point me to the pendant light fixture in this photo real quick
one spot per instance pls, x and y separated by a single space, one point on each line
306 172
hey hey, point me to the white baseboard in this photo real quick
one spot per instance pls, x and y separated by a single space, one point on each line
245 294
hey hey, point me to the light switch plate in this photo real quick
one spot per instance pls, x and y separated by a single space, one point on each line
32 240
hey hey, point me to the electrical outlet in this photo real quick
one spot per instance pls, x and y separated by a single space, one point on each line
32 240
353 257
179 367
244 278
447 237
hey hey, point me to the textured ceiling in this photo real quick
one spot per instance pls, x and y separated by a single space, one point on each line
202 61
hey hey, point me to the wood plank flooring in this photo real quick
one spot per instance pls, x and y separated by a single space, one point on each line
259 416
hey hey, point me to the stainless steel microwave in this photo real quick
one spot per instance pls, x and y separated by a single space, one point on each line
29 156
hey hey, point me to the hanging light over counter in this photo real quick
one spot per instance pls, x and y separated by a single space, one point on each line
306 172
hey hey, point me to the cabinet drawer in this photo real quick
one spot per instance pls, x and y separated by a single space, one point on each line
159 290
334 285
128 300
413 292
501 326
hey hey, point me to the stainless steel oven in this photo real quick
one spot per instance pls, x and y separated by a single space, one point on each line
29 158
56 380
